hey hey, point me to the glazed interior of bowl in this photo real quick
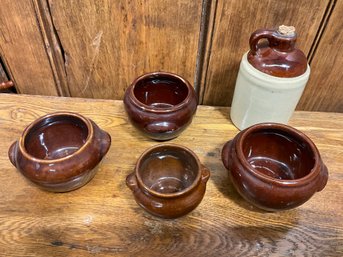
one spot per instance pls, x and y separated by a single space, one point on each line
168 170
278 154
56 137
161 91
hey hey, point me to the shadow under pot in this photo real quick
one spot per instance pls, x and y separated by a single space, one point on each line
160 104
274 166
168 181
59 152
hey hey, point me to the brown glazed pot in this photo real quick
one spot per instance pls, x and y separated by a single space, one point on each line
160 104
59 151
168 181
274 166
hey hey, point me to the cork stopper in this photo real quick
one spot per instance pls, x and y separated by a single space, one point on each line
286 30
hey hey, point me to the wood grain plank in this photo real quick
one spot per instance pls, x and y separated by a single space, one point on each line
321 28
324 91
102 218
23 49
109 43
233 24
52 44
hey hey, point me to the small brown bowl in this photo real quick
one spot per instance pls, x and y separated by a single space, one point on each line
274 166
168 181
160 104
59 152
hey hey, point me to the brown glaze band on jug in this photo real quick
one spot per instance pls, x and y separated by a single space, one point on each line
274 166
168 181
280 57
60 151
160 104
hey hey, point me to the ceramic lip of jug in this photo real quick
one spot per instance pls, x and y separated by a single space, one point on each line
171 188
160 111
274 166
60 151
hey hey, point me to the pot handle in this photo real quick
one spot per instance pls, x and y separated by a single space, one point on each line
102 138
105 143
161 127
226 152
323 177
205 174
12 153
131 182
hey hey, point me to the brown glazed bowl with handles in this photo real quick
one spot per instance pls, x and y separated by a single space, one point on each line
160 104
169 181
60 151
274 166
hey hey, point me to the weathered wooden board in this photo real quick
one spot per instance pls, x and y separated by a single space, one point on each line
23 50
232 25
103 219
109 43
325 89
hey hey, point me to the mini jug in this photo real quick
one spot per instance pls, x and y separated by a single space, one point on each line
271 79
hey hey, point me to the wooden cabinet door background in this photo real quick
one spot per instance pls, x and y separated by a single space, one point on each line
108 43
88 48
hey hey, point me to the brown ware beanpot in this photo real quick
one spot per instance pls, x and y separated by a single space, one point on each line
274 166
168 181
59 152
160 104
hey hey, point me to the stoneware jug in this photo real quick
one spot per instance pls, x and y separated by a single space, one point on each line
60 151
169 181
271 79
160 104
274 166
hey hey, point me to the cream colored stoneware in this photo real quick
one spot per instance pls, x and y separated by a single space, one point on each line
260 97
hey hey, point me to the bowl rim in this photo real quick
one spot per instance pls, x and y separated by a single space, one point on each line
157 74
196 181
27 155
293 133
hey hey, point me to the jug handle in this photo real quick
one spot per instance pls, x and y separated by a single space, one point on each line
205 174
12 153
257 36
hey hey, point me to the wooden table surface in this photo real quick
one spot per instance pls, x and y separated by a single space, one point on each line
103 219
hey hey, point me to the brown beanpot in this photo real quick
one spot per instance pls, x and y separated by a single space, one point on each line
274 166
59 151
160 104
168 181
